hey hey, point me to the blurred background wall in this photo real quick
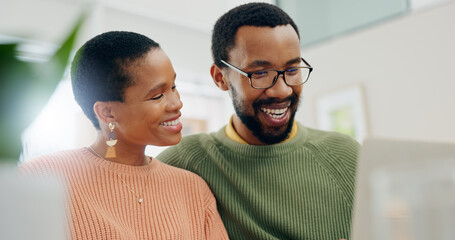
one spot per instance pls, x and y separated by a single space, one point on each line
404 66
401 61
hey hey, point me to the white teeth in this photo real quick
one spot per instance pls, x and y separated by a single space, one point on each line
275 113
170 123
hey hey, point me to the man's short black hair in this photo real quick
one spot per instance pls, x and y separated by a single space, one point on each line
101 68
250 14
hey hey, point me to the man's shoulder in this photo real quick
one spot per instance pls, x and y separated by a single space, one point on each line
321 137
197 137
196 141
331 146
176 172
190 149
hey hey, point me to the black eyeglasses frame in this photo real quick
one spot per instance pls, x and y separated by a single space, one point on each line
279 72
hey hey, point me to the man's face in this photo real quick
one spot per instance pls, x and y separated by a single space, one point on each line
263 116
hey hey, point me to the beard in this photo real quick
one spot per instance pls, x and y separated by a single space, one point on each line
267 135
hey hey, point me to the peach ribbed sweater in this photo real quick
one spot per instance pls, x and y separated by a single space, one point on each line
177 203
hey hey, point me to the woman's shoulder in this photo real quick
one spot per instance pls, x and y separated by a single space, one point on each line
53 162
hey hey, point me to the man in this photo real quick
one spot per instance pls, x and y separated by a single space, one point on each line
273 177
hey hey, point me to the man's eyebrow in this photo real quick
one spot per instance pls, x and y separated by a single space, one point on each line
294 61
259 63
262 63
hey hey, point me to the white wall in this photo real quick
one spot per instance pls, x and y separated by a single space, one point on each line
406 67
183 29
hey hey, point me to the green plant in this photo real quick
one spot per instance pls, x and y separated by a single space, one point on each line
25 87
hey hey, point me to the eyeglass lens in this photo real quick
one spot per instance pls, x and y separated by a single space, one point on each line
292 77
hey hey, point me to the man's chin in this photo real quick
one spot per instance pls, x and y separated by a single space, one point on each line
272 135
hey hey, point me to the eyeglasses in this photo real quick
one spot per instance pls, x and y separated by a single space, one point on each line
264 79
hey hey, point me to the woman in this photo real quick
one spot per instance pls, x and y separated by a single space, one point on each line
125 84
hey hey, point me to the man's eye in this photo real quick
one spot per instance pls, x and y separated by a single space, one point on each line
292 71
260 74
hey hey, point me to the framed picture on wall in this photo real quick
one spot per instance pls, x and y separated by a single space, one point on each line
193 126
343 111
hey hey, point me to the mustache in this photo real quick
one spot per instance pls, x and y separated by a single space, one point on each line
293 99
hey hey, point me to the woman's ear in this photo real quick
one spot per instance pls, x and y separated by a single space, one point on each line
219 77
103 111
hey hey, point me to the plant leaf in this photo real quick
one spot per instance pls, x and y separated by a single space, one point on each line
26 88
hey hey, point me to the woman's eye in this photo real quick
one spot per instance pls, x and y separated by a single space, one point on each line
174 87
157 97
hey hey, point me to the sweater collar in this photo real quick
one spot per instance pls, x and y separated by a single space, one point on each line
122 168
263 151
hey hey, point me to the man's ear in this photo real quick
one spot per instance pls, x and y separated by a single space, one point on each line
218 77
103 111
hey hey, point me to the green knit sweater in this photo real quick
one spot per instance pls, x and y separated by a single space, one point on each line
300 189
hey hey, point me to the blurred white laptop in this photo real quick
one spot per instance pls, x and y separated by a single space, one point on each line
30 207
405 191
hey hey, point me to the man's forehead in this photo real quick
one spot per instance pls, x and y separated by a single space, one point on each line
256 37
248 29
261 44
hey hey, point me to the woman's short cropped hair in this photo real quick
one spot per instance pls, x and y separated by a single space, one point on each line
101 68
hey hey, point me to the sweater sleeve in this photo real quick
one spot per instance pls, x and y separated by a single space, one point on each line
41 166
172 156
214 228
186 153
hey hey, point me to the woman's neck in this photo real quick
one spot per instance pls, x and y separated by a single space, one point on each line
128 155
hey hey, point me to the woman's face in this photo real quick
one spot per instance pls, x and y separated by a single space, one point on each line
150 112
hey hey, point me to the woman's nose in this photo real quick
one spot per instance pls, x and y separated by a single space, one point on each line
174 103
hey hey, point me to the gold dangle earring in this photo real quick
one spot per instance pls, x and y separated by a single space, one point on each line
110 153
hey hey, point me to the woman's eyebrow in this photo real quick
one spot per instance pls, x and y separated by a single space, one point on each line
160 85
157 87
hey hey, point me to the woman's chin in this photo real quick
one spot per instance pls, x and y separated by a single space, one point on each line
171 141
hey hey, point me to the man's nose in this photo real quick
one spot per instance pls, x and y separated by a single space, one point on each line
280 89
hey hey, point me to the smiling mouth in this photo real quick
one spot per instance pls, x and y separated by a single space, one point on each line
275 113
171 123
